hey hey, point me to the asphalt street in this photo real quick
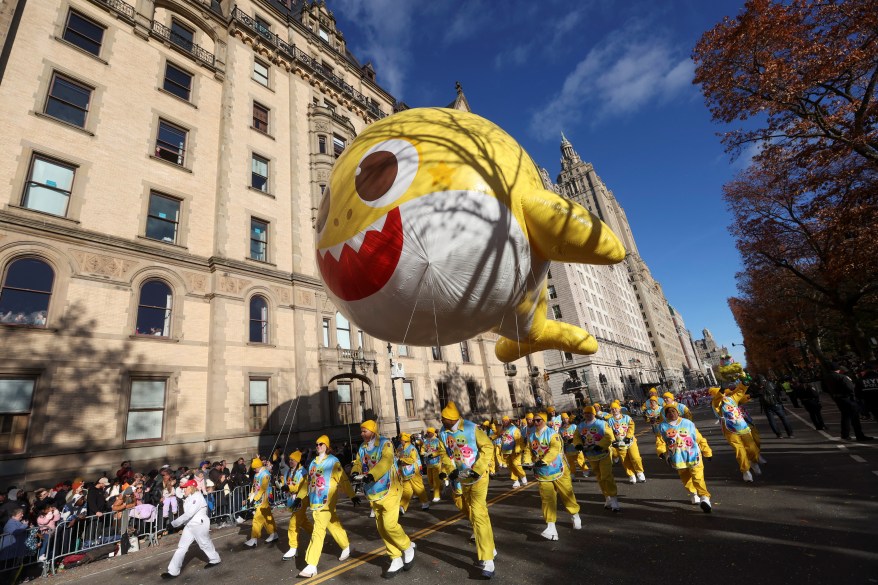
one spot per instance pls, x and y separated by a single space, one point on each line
810 518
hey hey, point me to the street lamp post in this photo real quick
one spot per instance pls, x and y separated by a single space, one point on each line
393 389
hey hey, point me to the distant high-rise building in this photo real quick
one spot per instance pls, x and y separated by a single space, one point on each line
709 352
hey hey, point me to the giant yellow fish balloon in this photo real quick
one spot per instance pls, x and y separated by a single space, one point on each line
436 227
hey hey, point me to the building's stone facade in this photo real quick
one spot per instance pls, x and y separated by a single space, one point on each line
272 94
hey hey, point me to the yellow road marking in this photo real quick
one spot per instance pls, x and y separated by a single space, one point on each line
373 554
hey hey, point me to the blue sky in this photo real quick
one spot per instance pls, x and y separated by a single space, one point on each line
616 78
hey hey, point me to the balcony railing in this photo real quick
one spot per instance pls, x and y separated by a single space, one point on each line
197 51
118 6
296 54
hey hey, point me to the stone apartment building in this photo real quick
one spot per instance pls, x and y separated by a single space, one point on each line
160 301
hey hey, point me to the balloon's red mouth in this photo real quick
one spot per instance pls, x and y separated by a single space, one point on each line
362 265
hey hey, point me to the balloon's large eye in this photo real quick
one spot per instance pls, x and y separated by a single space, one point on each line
323 210
385 172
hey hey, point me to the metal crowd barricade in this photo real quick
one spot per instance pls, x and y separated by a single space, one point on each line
238 501
82 535
15 556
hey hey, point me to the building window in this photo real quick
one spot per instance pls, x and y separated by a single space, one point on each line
162 218
464 352
259 173
361 339
338 145
473 395
321 144
437 352
170 143
552 293
344 392
342 331
260 117
258 320
26 292
511 386
146 409
568 356
177 82
68 100
260 72
258 404
258 240
262 27
48 186
154 309
326 333
556 311
323 34
182 35
16 397
442 389
402 350
409 397
84 33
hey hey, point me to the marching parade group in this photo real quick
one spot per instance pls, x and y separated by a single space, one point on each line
463 455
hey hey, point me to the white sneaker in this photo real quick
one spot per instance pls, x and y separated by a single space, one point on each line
308 571
372 513
408 557
401 511
488 569
695 499
614 504
761 459
748 477
436 500
345 554
523 481
239 520
632 479
290 554
550 533
271 538
756 469
641 477
425 506
395 566
251 543
516 484
607 503
705 504
577 522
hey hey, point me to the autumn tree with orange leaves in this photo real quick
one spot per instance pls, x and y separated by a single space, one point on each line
803 77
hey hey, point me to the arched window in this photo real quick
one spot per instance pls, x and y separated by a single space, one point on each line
154 309
342 331
26 291
258 320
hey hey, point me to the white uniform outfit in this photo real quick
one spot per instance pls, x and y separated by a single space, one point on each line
197 529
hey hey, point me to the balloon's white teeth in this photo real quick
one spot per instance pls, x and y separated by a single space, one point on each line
378 224
356 241
335 250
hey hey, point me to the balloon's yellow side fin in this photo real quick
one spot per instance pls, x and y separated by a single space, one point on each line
567 232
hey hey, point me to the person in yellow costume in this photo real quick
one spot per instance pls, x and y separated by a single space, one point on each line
599 413
737 432
527 426
685 450
259 496
575 458
755 431
681 408
410 469
652 414
295 477
594 436
553 475
511 446
554 420
468 450
325 476
626 449
432 452
375 466
491 430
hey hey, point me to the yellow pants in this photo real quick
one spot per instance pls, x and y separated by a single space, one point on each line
387 520
513 462
576 461
746 451
755 432
658 444
693 480
603 472
475 500
325 519
631 460
526 457
263 518
551 490
414 485
433 472
299 521
492 465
